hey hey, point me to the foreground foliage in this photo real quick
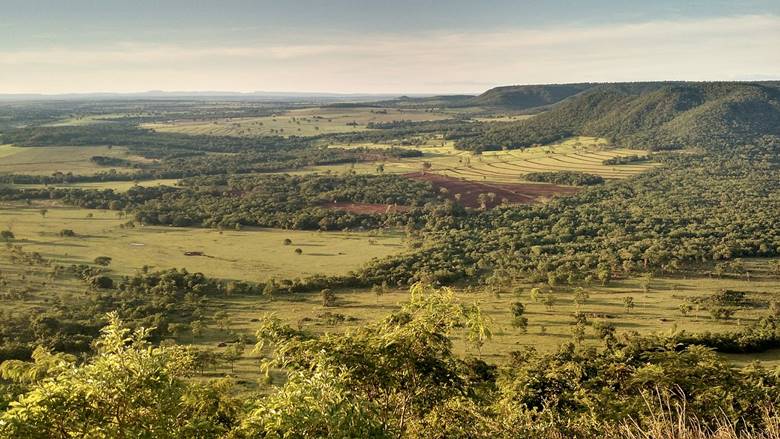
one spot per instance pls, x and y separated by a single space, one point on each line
398 377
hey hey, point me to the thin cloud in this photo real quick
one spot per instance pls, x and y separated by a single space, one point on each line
708 49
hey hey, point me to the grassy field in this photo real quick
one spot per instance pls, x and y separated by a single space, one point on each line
656 311
118 186
584 154
252 255
47 160
302 122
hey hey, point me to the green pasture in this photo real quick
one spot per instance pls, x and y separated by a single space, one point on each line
253 255
656 311
117 186
300 122
46 160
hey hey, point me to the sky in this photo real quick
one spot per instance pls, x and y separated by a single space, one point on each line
372 46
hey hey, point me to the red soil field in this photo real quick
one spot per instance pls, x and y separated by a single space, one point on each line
524 193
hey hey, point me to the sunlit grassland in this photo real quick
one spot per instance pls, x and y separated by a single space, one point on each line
117 186
46 160
253 255
656 311
300 122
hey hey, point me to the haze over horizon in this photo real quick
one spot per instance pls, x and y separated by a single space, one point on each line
372 47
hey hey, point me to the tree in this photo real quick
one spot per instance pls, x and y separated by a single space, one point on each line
518 320
178 329
43 212
405 369
549 301
774 308
223 320
328 297
604 274
605 331
128 389
101 282
378 291
580 296
233 353
298 251
104 261
7 235
196 328
628 303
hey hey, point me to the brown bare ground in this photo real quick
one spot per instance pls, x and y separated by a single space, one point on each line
367 208
523 193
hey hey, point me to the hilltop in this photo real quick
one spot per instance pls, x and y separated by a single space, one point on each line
654 116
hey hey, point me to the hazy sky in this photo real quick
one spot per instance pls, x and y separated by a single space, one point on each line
388 46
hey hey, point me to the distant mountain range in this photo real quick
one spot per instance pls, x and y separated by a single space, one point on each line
210 95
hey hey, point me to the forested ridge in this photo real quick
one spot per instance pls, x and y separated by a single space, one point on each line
652 116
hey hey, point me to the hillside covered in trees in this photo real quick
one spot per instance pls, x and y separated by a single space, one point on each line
654 116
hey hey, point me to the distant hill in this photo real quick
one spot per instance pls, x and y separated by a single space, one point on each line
653 115
511 97
524 97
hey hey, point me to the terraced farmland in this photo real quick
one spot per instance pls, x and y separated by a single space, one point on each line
585 154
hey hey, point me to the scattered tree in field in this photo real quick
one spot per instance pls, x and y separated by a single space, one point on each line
196 328
223 320
43 212
518 320
104 261
580 296
605 331
328 297
178 329
685 308
233 353
549 301
287 241
67 233
378 291
721 313
774 308
7 235
628 303
298 251
536 294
